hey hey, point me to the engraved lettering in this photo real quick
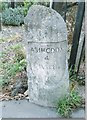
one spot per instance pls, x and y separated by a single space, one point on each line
48 50
46 58
52 50
42 49
36 49
32 49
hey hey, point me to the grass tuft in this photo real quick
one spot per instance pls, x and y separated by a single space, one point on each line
67 104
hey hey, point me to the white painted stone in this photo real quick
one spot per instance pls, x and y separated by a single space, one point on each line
46 43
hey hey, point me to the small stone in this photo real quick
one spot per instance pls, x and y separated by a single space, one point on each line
11 86
27 98
20 95
16 97
26 93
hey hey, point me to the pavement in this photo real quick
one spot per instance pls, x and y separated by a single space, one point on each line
25 109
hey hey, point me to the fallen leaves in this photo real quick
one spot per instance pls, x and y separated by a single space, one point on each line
6 97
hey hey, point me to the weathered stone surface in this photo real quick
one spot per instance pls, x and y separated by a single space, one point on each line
46 43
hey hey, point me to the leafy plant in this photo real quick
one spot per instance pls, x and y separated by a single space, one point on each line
3 6
12 16
63 107
75 99
27 4
68 103
16 67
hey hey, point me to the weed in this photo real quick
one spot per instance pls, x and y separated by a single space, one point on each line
63 107
74 77
68 103
19 52
72 74
75 99
16 67
27 4
3 82
11 65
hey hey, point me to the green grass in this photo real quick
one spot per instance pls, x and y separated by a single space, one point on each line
67 104
63 107
16 67
11 65
72 74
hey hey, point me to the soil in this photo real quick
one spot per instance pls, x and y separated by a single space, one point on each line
10 36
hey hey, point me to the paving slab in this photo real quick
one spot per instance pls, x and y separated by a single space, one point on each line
80 113
26 109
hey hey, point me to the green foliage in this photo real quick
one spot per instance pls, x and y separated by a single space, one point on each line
3 82
27 5
47 4
75 99
16 67
19 52
15 16
72 74
11 71
9 67
12 16
3 6
63 107
19 4
68 103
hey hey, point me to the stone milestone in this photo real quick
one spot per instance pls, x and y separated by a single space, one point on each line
46 48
